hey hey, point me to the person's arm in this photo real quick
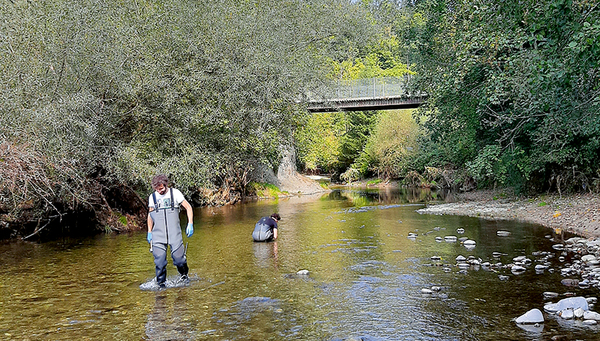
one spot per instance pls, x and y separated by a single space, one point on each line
150 223
188 210
189 230
275 233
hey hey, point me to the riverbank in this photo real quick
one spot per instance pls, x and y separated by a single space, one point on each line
579 213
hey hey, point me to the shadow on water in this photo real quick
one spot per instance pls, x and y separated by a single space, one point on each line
377 270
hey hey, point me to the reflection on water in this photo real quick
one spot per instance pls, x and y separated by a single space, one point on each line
367 279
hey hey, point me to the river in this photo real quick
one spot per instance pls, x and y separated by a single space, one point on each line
365 282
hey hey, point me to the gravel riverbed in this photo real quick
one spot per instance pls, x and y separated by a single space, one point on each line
579 214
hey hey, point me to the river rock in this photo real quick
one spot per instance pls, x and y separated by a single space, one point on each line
571 302
426 291
460 230
461 258
517 269
450 239
578 312
302 273
570 282
469 242
503 233
549 294
531 317
590 322
591 315
590 259
566 314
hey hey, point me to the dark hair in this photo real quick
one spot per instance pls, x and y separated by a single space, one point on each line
276 216
160 179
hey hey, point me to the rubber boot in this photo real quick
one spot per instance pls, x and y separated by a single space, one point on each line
183 270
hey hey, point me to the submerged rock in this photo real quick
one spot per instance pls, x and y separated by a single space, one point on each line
531 317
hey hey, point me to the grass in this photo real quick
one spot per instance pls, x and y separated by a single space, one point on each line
264 190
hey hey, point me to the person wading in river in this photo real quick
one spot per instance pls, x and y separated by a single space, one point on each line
265 229
164 228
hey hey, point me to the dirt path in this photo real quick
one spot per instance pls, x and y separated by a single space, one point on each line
579 214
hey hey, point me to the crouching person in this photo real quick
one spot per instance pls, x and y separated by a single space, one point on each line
265 229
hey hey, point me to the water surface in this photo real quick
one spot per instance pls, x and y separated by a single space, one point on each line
365 278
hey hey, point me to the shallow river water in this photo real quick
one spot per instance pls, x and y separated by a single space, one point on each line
365 279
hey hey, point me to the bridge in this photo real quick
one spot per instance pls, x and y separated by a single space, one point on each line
368 94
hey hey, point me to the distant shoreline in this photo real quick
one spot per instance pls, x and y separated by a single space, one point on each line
578 214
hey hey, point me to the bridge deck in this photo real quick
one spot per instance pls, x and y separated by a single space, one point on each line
366 103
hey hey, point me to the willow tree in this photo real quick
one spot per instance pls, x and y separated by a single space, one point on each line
98 93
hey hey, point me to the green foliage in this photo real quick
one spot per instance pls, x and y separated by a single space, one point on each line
513 86
390 148
264 190
374 182
318 142
103 92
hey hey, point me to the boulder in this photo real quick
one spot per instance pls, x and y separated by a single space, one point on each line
531 317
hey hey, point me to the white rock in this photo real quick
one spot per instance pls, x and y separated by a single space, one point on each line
590 322
591 315
450 239
460 258
426 291
589 258
567 314
503 233
519 259
571 302
530 317
517 269
460 230
578 313
591 300
550 294
469 242
302 273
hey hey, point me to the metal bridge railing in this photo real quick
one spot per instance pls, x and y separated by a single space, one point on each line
369 88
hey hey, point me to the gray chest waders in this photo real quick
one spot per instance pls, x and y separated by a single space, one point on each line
262 233
167 231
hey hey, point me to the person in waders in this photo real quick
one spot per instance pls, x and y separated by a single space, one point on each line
265 229
164 228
